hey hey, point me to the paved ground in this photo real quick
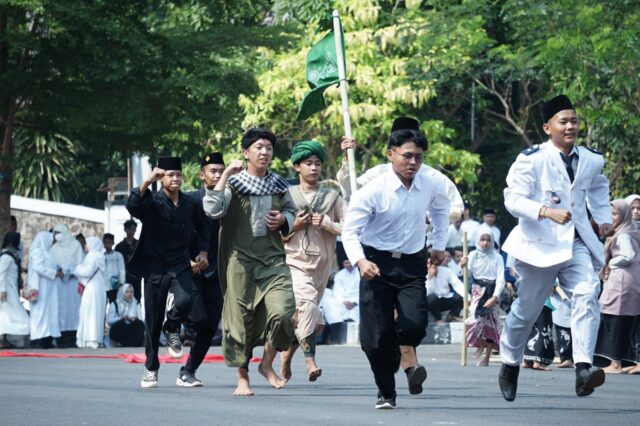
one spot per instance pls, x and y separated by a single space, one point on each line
42 391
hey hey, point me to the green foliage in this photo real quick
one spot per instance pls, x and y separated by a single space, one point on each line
388 76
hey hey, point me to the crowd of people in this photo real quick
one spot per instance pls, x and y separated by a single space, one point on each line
254 254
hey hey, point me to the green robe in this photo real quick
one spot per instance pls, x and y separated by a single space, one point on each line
255 279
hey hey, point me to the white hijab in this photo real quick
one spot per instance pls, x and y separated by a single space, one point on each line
126 308
96 250
67 251
484 262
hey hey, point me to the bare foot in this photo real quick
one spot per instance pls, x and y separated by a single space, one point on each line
525 364
312 369
634 370
268 372
540 366
483 362
567 363
243 388
285 362
612 370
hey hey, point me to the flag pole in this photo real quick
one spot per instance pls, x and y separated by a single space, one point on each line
465 298
344 94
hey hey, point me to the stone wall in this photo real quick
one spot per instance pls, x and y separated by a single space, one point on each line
34 216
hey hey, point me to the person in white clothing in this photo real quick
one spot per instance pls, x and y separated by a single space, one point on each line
548 189
13 318
91 273
489 218
443 292
383 235
409 356
67 253
454 234
455 199
114 263
342 303
44 321
469 225
124 318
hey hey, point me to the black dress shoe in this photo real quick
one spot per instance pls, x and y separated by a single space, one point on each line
587 379
415 377
508 381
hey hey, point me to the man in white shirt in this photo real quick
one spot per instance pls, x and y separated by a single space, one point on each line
489 218
454 234
383 235
548 189
469 225
114 267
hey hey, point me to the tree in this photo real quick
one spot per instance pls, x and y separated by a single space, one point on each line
391 56
121 76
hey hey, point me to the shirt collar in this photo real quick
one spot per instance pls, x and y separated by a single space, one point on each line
574 149
395 183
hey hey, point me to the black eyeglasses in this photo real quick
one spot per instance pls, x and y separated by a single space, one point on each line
407 156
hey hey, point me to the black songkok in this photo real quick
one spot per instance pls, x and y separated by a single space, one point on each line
554 106
170 163
213 158
404 123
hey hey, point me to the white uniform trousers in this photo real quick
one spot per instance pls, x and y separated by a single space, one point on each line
580 282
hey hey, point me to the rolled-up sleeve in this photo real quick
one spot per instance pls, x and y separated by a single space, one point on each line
216 203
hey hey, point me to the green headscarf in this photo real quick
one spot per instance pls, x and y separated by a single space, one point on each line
305 149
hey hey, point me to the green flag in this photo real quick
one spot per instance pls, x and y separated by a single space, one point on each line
322 72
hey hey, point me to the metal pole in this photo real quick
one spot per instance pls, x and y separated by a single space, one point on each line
344 94
465 298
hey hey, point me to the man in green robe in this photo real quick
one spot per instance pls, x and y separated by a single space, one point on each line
256 210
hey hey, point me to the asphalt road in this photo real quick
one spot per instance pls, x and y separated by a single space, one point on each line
45 391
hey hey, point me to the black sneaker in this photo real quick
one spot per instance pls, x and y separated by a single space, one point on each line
173 343
149 379
187 380
386 403
415 377
587 379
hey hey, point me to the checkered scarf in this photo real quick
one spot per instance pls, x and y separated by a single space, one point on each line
245 184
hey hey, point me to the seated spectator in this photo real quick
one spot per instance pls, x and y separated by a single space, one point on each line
450 262
340 304
124 318
441 295
13 318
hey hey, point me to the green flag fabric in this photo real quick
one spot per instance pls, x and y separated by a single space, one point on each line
322 72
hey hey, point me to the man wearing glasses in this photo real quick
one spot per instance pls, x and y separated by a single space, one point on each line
383 235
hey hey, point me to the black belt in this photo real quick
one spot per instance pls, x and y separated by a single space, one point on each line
392 254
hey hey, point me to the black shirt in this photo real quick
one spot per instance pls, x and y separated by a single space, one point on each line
166 231
213 236
126 250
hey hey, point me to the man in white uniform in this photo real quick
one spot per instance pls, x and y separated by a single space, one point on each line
549 189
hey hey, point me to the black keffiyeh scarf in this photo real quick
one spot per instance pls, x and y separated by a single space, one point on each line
271 184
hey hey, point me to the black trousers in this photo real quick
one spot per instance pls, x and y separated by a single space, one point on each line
437 304
156 290
206 311
401 286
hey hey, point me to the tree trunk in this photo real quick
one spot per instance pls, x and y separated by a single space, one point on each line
7 117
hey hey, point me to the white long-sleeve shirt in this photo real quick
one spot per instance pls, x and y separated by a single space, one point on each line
442 284
114 267
384 214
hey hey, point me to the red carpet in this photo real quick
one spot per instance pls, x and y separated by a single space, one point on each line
130 358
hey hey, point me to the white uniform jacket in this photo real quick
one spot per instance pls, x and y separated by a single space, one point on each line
539 178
